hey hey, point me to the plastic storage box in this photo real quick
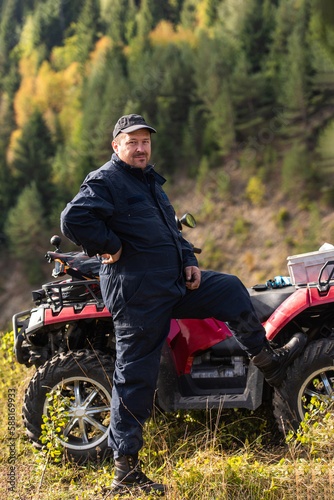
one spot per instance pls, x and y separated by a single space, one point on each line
305 267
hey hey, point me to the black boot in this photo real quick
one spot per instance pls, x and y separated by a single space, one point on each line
274 362
129 476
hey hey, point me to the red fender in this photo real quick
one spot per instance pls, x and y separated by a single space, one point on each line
187 337
69 313
316 298
292 306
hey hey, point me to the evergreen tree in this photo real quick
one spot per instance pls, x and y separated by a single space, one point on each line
211 11
255 34
188 13
9 31
113 14
44 26
288 62
105 95
321 37
86 29
224 120
130 27
7 188
284 22
169 10
164 93
251 96
32 159
295 71
145 18
191 142
25 229
213 70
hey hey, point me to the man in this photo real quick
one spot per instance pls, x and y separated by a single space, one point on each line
149 274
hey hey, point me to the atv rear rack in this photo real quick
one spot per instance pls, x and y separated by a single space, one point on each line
75 293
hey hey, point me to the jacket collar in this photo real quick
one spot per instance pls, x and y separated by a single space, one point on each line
136 171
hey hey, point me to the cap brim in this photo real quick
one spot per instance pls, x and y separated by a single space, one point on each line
136 127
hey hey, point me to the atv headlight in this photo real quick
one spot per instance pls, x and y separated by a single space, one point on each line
36 319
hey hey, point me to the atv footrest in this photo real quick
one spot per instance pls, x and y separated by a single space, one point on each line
251 398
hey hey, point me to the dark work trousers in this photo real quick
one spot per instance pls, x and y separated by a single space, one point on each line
142 305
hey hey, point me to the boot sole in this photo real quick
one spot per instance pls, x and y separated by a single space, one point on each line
127 489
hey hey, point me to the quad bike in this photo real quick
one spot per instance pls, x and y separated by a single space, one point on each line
69 337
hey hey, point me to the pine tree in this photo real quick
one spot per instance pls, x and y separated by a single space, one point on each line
113 15
224 120
130 27
145 19
294 72
9 25
211 11
32 158
256 30
106 95
321 36
213 71
86 29
7 188
188 13
25 230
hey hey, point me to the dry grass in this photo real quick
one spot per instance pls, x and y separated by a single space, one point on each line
207 456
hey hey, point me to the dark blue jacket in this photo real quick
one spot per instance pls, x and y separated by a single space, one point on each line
123 205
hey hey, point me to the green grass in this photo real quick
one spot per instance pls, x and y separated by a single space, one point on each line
221 454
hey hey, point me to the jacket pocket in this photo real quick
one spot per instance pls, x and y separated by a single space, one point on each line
122 291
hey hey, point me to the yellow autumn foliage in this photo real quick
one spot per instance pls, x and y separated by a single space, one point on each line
49 88
72 107
12 145
24 102
164 34
56 94
102 46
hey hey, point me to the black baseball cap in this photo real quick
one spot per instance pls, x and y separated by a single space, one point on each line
130 123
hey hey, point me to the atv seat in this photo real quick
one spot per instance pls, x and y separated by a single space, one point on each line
265 302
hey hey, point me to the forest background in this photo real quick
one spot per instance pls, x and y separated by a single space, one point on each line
242 95
240 91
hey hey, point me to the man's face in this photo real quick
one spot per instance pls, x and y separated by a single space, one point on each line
134 148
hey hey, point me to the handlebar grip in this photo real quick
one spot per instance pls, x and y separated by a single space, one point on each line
197 250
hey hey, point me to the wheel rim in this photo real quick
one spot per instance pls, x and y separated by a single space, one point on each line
89 412
320 384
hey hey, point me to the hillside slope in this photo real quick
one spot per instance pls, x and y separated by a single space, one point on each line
250 241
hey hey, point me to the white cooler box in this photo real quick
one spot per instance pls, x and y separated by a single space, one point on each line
305 267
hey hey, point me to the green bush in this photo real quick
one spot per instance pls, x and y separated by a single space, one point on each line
255 191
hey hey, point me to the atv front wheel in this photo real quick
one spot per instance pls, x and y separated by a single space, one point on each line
86 378
311 375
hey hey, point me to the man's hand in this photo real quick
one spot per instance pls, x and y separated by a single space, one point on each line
111 259
193 277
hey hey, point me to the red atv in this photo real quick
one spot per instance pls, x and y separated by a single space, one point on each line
69 337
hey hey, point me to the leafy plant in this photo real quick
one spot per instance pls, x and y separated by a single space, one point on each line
202 175
7 346
282 217
52 436
315 433
255 191
54 422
